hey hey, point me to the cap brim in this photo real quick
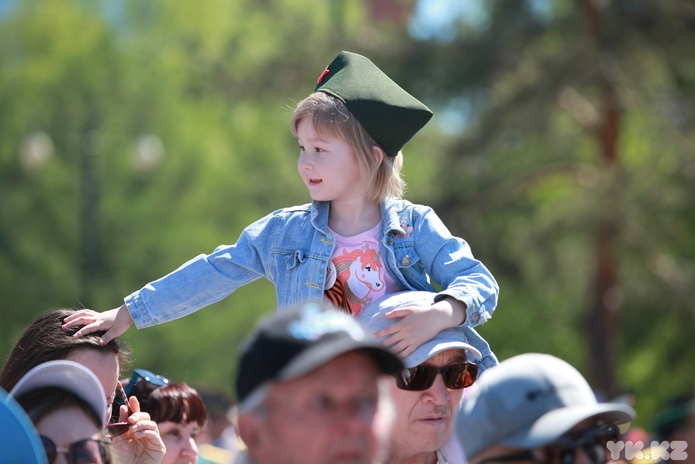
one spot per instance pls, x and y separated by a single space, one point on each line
434 346
556 423
69 376
315 357
373 317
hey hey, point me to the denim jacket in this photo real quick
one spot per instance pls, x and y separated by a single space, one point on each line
291 247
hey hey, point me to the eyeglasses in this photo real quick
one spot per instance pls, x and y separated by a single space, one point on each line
592 441
419 378
87 451
147 376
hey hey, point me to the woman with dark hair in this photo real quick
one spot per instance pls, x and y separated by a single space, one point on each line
177 409
46 340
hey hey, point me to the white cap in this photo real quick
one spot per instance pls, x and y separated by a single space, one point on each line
373 318
528 401
67 375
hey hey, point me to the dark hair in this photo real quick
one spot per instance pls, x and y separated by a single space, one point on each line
43 401
45 340
173 402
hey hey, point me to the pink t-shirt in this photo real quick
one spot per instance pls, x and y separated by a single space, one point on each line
357 274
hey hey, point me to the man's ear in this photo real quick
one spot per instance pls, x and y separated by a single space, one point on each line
378 155
249 429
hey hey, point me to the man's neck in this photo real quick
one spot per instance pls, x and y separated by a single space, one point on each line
421 458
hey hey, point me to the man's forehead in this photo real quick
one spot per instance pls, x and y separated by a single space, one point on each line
448 356
355 365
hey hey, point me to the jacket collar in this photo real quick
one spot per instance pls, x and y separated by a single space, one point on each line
390 211
319 215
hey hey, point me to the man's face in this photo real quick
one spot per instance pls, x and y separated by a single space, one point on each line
424 419
328 416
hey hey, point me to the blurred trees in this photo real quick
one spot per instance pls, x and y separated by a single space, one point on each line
573 177
135 135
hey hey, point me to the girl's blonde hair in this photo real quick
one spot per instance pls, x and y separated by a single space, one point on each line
332 119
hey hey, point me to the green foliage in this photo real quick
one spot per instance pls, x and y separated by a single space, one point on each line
155 124
528 186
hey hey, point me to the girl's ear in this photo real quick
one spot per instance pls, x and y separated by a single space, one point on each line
378 155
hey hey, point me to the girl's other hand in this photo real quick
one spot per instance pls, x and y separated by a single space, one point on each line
418 325
113 322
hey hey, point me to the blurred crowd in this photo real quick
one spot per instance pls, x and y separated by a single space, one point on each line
314 386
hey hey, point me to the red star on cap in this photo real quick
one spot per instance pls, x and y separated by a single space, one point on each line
323 74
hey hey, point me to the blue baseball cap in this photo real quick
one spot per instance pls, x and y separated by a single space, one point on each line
19 440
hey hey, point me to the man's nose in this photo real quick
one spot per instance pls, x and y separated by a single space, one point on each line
437 393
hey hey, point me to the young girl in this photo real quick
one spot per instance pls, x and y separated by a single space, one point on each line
356 241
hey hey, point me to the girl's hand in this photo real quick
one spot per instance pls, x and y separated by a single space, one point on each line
420 324
114 322
141 444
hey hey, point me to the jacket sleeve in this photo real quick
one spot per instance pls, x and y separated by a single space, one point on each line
204 280
450 263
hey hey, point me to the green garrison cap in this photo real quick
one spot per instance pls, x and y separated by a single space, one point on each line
387 112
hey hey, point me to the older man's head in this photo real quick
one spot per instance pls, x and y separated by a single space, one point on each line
428 392
312 390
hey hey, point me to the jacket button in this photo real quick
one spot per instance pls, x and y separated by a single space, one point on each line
390 240
475 318
406 260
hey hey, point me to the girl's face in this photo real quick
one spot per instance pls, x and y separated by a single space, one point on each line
179 439
328 167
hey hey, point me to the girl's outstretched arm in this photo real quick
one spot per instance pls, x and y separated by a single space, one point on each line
114 322
420 324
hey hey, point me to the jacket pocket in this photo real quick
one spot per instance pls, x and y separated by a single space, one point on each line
294 259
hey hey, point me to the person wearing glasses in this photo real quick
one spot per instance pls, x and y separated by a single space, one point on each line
428 392
67 405
312 389
177 409
537 409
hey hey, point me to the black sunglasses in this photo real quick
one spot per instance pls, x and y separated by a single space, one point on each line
89 451
115 428
419 378
593 441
